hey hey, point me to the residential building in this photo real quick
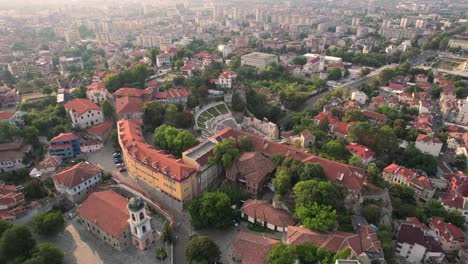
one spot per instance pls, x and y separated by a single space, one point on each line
47 167
68 65
307 139
84 113
375 117
397 174
11 202
429 145
363 152
146 94
163 60
226 79
458 41
129 107
8 97
249 248
416 245
101 132
365 243
258 59
454 201
359 97
77 182
189 68
97 92
251 172
173 95
263 213
65 145
12 155
451 238
105 214
170 178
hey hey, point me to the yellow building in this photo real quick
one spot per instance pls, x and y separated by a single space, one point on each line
170 178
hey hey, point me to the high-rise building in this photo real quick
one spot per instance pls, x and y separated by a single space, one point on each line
386 23
404 22
420 23
355 22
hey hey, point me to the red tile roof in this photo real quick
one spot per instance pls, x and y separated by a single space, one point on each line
360 150
264 211
446 230
253 168
374 115
172 93
133 92
134 143
349 176
63 137
413 234
341 127
425 138
6 115
228 74
108 210
126 104
9 196
100 129
453 200
252 248
81 106
77 174
332 120
96 86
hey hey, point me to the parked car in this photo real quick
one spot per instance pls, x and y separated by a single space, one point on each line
116 155
123 169
117 158
118 161
120 165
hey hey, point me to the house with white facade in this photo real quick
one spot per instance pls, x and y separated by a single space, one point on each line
359 97
451 238
11 156
97 92
263 213
429 145
226 79
76 182
163 60
84 113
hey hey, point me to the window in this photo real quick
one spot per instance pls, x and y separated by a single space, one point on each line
143 229
142 216
133 217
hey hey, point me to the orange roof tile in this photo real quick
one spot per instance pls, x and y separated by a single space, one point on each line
81 106
100 129
6 115
63 137
126 104
263 210
108 210
77 174
252 248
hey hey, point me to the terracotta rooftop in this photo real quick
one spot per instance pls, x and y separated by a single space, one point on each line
446 230
96 86
172 93
81 106
332 120
63 137
252 248
6 115
374 115
100 129
425 138
77 174
263 210
134 143
108 210
126 104
360 150
133 92
413 234
252 167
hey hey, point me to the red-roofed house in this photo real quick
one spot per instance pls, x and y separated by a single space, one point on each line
375 117
451 238
454 201
76 182
189 68
129 107
101 131
416 245
10 197
173 95
458 183
397 174
226 79
265 214
332 120
6 116
146 94
249 248
252 172
105 214
8 97
429 145
84 113
97 92
361 151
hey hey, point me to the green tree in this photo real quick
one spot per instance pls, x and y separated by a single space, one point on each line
372 213
316 217
34 190
299 60
4 225
212 209
282 254
335 150
316 191
282 181
201 249
354 116
46 253
364 71
345 253
167 235
112 82
107 109
173 140
48 223
153 115
8 132
335 74
153 52
225 153
356 161
313 171
245 144
432 208
17 242
456 218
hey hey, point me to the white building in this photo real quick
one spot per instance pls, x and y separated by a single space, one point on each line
84 113
226 79
11 156
77 182
429 145
163 60
258 59
97 92
359 97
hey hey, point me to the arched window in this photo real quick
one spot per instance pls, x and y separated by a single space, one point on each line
142 216
143 229
133 217
135 231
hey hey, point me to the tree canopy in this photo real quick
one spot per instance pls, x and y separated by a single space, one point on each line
201 249
173 140
17 242
212 209
315 216
226 153
48 223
